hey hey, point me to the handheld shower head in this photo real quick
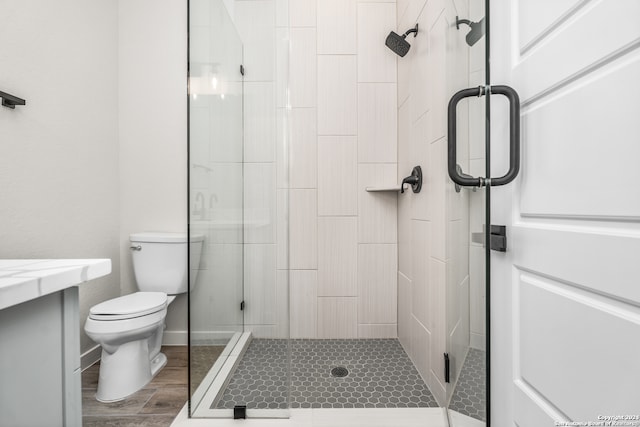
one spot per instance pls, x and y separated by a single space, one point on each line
398 43
477 30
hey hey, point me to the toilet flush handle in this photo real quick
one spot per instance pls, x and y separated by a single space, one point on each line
136 248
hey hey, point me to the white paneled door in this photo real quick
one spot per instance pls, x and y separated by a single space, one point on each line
565 298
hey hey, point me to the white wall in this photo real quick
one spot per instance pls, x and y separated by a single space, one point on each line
343 240
433 226
59 153
152 112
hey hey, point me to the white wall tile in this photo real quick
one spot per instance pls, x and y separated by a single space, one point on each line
223 204
377 283
256 24
421 346
437 71
260 122
405 158
282 304
419 149
303 231
477 291
437 313
282 13
283 141
438 176
303 81
419 80
376 62
404 75
304 303
226 123
337 95
401 9
337 317
337 256
302 13
410 16
477 120
377 212
283 66
282 228
457 249
259 203
377 331
337 26
405 201
337 176
199 134
404 312
303 154
377 123
260 284
420 278
405 235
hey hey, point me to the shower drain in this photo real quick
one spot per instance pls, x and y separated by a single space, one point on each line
339 372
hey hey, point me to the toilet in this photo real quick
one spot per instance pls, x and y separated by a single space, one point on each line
129 328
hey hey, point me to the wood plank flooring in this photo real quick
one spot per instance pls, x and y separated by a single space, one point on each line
155 405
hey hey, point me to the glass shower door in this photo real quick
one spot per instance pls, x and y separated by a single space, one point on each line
465 360
215 197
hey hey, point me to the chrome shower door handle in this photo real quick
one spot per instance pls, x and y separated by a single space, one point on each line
514 136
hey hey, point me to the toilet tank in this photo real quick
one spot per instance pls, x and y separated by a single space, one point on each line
160 261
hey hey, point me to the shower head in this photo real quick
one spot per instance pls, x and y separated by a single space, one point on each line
398 43
477 30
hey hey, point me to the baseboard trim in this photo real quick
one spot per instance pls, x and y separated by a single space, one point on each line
175 338
90 357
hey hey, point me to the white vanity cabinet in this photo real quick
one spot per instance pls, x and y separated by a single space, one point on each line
40 340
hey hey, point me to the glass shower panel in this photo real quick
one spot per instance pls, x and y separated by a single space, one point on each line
465 360
238 110
215 194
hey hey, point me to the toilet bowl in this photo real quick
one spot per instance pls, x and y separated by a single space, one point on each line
129 328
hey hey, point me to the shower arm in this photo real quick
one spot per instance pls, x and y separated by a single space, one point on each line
413 30
463 21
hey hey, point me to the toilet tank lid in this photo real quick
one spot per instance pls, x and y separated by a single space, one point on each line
127 306
164 237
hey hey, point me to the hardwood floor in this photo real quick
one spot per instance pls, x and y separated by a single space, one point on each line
155 405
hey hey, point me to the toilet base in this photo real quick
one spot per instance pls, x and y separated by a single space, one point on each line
126 371
158 363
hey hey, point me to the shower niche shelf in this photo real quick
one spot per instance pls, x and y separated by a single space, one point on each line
392 188
10 101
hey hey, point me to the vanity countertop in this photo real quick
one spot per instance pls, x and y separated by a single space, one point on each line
23 280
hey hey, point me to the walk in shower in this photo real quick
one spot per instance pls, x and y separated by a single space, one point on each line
321 285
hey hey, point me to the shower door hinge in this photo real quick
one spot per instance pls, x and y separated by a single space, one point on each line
446 368
242 69
242 306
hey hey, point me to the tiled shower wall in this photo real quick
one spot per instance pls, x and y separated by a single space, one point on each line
433 226
309 224
343 240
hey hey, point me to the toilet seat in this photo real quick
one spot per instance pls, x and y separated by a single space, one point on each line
129 306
